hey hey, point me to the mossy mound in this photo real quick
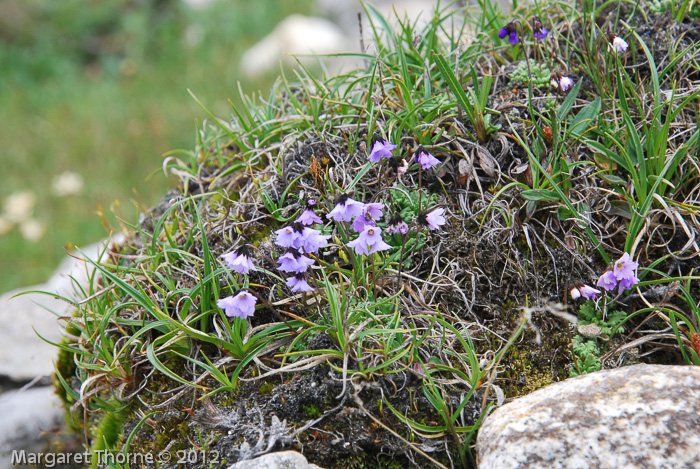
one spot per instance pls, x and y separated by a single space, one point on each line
393 356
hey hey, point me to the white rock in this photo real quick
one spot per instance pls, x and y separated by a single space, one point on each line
280 460
638 416
23 355
25 415
296 34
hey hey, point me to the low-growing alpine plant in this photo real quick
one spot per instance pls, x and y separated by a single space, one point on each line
374 255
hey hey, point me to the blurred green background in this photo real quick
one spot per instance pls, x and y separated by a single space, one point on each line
97 90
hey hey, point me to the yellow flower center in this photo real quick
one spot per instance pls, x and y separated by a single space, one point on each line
370 232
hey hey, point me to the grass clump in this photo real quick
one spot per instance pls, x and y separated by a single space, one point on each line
351 262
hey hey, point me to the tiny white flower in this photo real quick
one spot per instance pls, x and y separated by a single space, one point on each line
20 206
32 230
67 183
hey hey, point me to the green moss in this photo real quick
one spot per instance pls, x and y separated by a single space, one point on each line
266 388
312 411
108 433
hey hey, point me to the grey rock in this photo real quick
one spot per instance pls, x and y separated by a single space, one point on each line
23 354
638 416
280 460
25 415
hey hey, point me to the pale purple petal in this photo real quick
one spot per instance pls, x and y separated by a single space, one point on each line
287 237
589 292
624 267
298 284
379 245
239 262
381 150
619 44
242 305
627 283
374 210
308 217
369 241
435 219
312 240
359 224
346 209
607 281
565 83
575 293
427 160
294 262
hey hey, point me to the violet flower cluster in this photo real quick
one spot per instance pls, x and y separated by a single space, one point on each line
622 275
511 31
538 31
242 305
300 239
365 217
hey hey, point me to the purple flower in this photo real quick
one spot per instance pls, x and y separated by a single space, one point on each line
239 260
397 225
298 283
369 241
538 31
510 30
434 219
565 83
312 240
607 280
308 217
293 261
626 283
427 160
617 44
346 209
241 306
381 150
559 81
400 227
624 267
373 209
289 237
360 222
585 291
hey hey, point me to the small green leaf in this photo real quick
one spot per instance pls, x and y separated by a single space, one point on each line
540 195
583 120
